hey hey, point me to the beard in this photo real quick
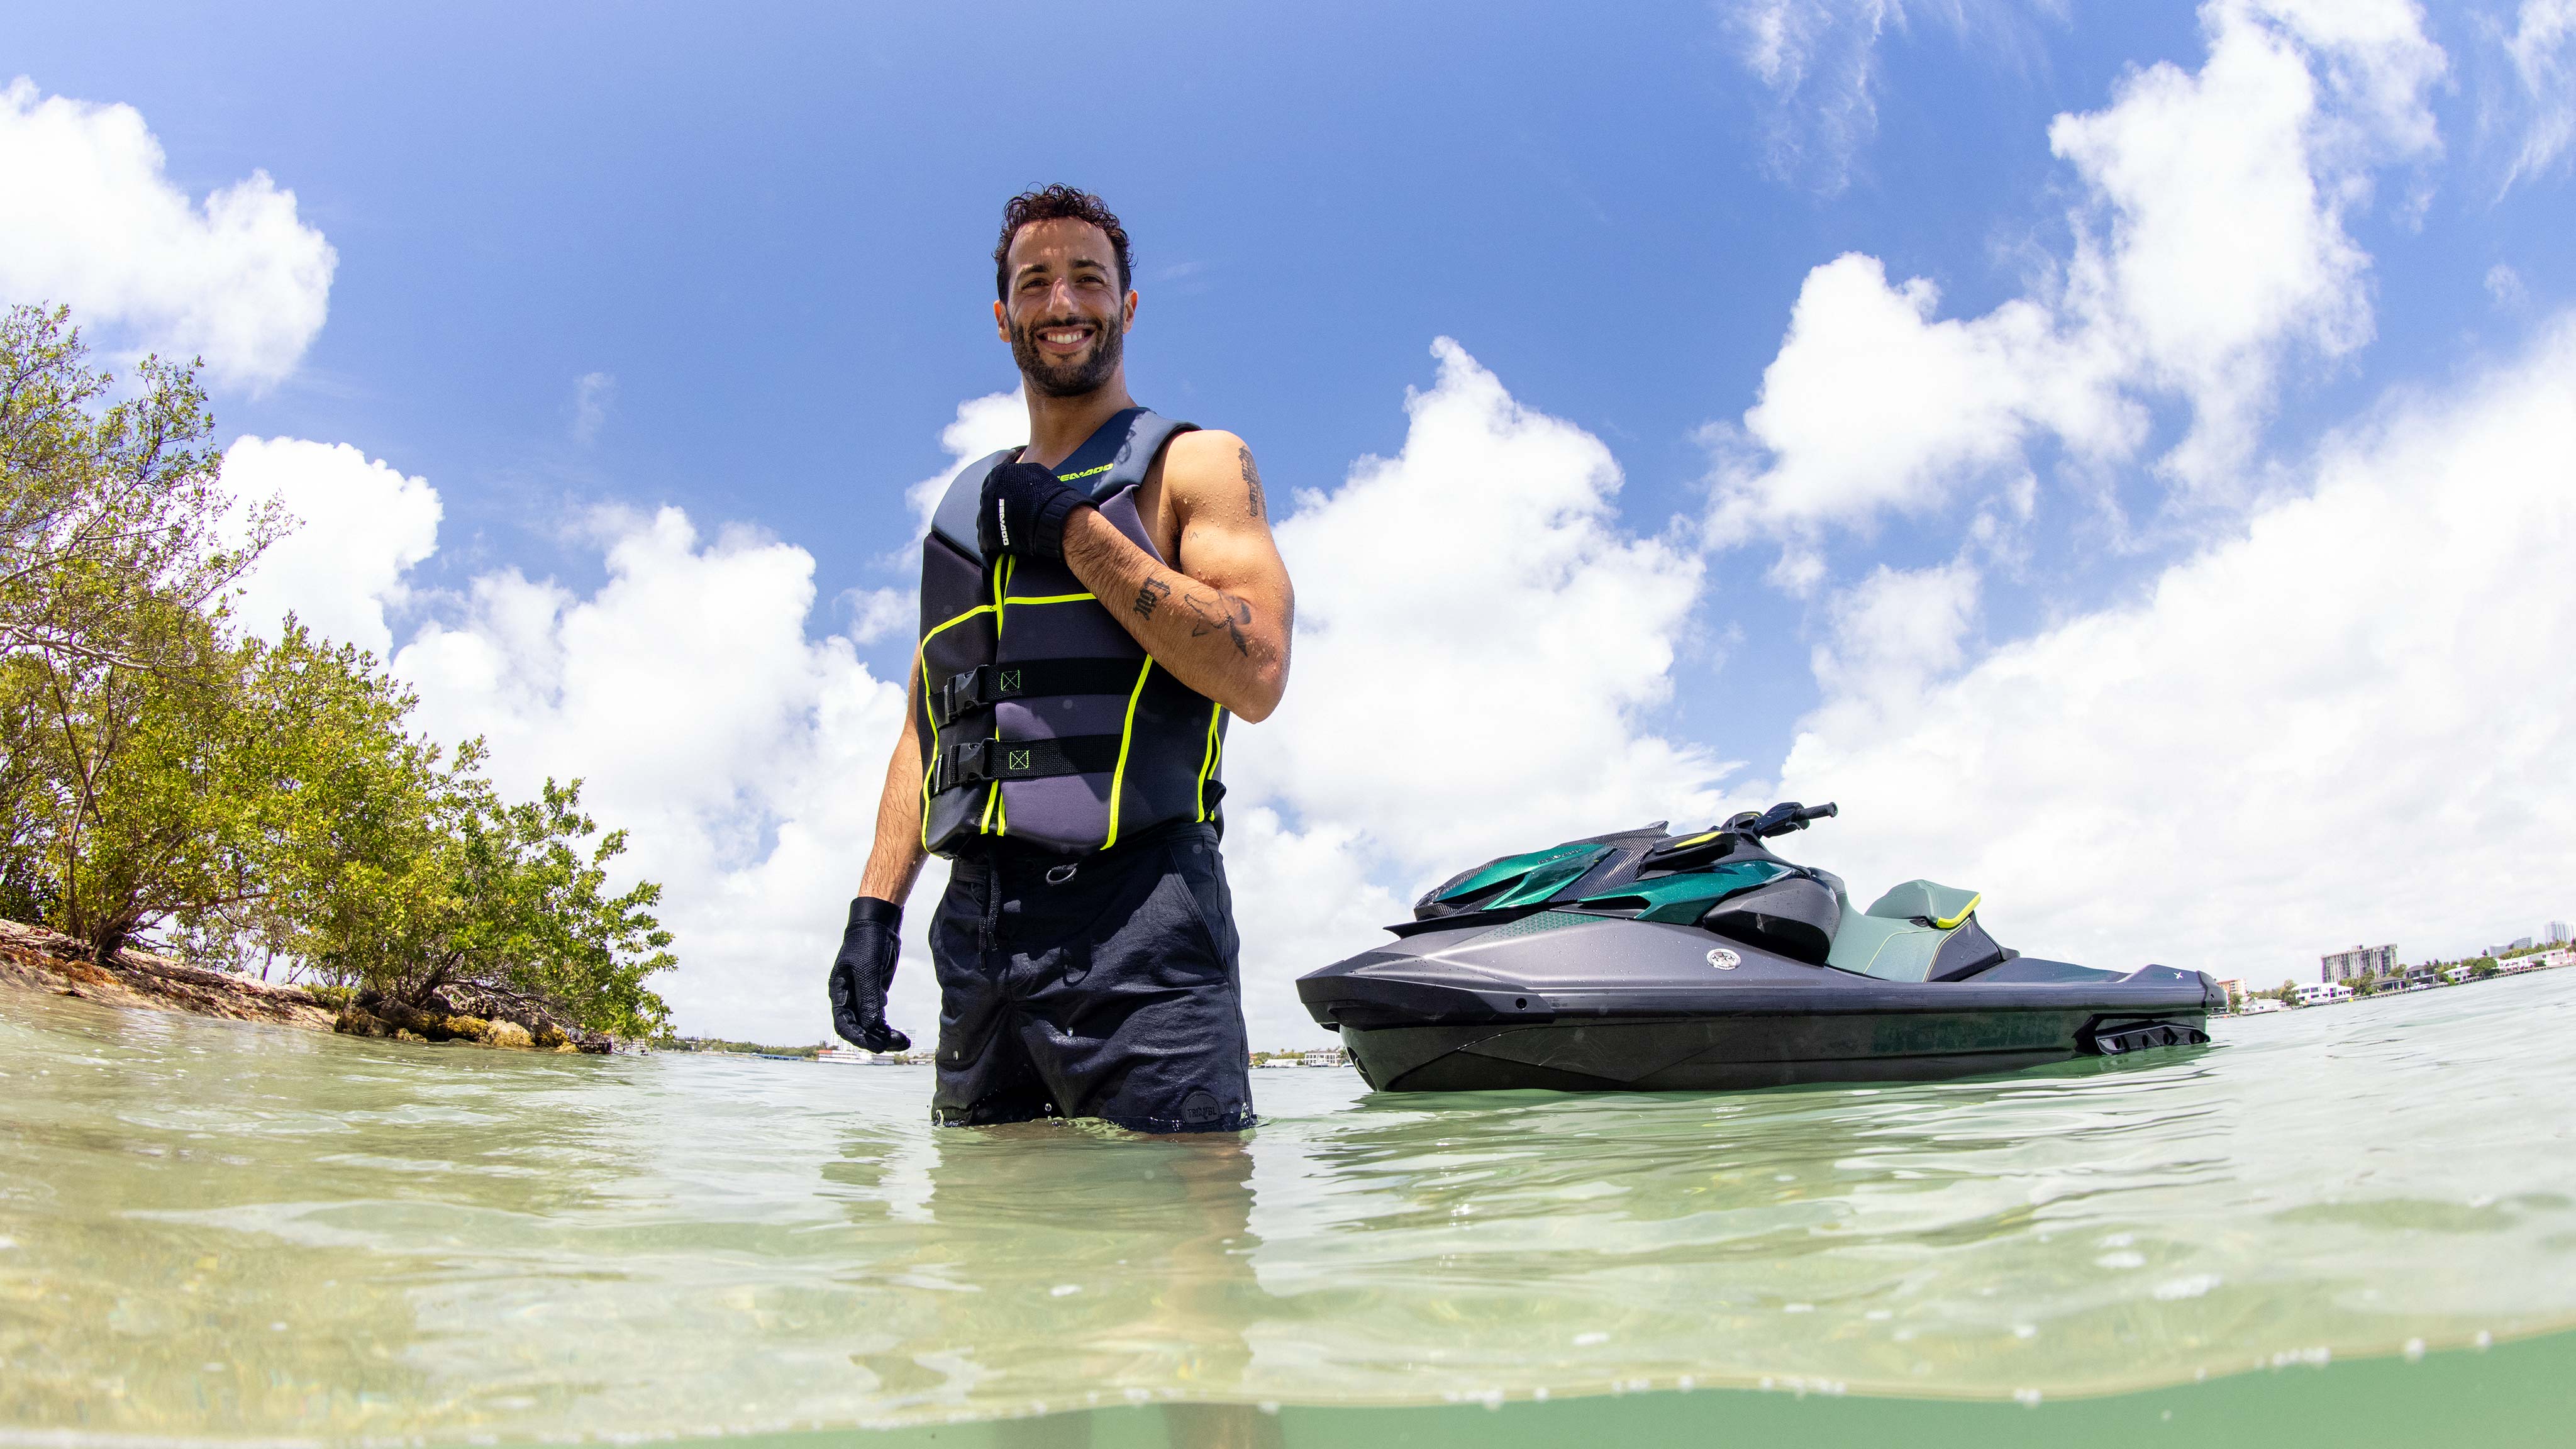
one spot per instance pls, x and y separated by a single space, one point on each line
1068 379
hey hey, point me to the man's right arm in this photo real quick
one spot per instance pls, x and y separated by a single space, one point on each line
894 861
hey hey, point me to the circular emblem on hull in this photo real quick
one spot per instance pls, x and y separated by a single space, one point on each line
1724 959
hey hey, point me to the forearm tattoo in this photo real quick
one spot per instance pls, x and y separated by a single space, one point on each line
1226 612
1153 591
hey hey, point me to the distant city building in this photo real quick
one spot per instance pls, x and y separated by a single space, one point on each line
2348 965
2558 933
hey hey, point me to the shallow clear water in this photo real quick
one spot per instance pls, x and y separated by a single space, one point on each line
209 1229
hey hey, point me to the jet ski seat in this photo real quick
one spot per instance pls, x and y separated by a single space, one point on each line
1919 931
1725 883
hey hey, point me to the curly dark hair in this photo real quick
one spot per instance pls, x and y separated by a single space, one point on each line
1054 203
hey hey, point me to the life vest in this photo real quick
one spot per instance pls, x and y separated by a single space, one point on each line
1041 719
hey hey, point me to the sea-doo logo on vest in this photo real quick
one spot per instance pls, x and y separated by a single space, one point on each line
1019 760
1724 959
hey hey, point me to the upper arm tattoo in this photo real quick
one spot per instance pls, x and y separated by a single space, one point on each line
1251 479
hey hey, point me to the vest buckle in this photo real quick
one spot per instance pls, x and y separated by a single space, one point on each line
961 693
964 763
977 687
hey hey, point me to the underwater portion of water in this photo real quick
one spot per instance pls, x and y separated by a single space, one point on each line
213 1230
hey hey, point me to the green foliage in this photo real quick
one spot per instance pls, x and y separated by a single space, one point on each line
263 800
102 504
501 895
2482 968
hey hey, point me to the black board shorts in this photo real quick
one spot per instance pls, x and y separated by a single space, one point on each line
1104 987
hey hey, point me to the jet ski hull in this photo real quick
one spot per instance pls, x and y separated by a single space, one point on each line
1593 1004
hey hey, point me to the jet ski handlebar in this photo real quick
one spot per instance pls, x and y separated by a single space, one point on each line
1780 819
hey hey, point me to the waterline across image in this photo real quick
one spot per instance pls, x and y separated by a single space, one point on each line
217 1232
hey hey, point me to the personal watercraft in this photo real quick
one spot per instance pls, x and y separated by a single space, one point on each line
1647 961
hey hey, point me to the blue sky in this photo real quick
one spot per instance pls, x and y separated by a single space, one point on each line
772 232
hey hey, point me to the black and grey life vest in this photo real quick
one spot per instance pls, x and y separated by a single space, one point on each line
1041 719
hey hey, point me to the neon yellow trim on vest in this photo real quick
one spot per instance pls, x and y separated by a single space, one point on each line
1207 766
1126 737
1952 923
921 663
1051 598
1002 572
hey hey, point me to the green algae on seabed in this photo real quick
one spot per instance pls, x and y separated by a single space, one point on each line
217 1232
2506 1397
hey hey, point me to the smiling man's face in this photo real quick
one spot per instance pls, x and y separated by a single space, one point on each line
1062 310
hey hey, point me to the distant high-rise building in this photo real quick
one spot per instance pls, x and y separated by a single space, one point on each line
2558 933
2346 965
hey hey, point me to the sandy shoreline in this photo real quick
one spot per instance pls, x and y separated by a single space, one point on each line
44 960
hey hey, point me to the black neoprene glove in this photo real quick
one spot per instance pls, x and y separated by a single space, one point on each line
1023 512
863 971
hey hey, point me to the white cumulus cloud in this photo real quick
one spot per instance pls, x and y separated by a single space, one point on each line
1478 588
983 425
1479 645
2345 723
744 756
361 526
88 219
2209 246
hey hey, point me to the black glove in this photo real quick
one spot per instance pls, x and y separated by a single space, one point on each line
863 971
1023 512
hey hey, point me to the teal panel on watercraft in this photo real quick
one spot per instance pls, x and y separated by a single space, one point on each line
1683 899
1546 880
1501 871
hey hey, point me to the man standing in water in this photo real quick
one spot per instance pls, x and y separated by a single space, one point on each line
1093 606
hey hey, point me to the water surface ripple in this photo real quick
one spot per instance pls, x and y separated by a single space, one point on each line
216 1229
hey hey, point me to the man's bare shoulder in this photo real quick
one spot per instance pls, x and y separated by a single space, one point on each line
1211 472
